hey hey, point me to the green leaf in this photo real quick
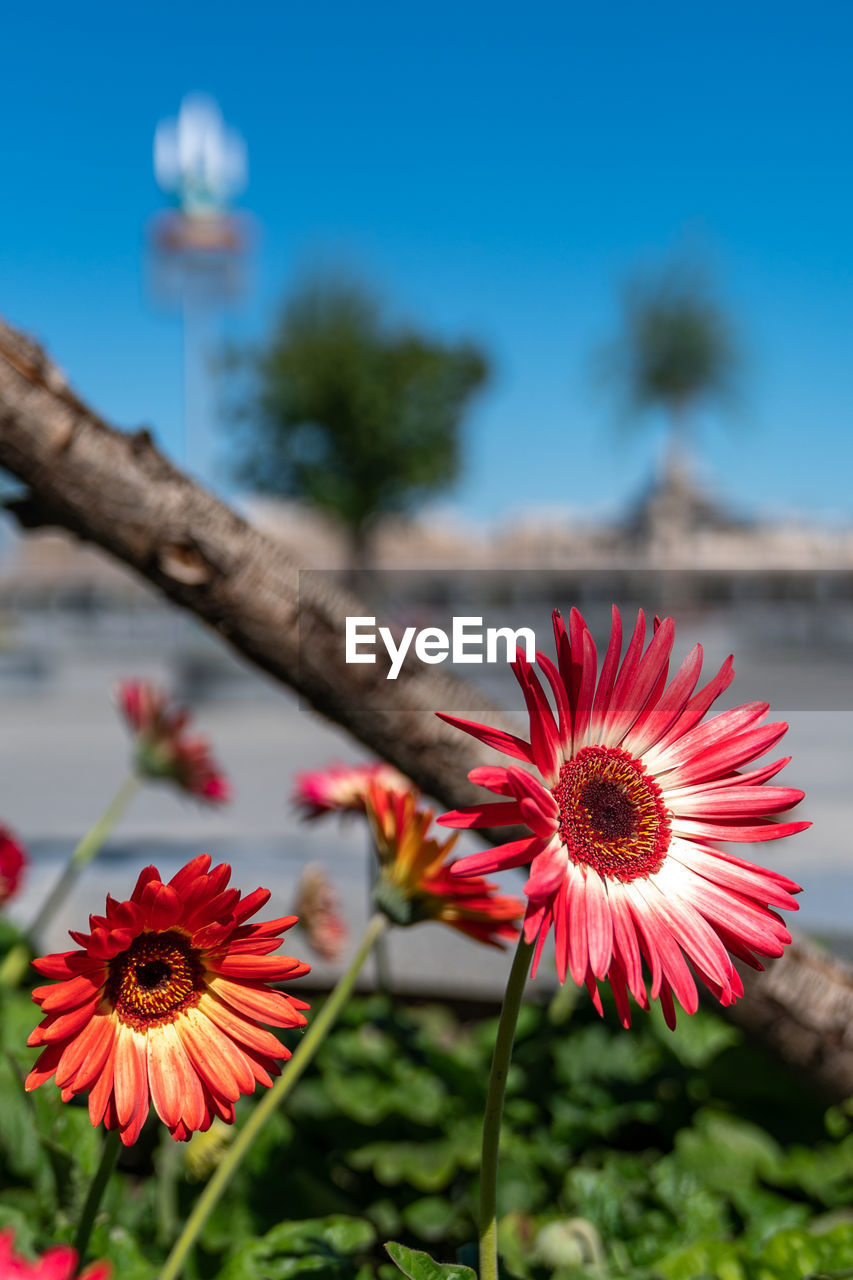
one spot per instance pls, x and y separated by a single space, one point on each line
315 1246
420 1266
427 1166
430 1218
122 1249
715 1258
697 1040
338 1233
791 1255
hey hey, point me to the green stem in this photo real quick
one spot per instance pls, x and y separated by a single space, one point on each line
15 964
109 1156
494 1110
380 950
84 853
273 1098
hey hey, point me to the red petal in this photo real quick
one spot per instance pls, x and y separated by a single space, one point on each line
69 994
508 743
483 815
517 853
259 968
607 678
654 723
259 1002
216 1057
599 926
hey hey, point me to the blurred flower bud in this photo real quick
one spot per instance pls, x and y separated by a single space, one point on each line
343 787
319 910
164 749
13 861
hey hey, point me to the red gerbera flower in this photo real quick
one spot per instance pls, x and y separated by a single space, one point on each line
13 860
164 749
415 881
342 787
634 791
164 1002
59 1263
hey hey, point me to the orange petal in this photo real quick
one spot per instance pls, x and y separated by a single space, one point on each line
131 1075
241 1029
257 1002
175 1088
216 1058
83 1057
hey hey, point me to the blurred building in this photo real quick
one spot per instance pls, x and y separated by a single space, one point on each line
676 524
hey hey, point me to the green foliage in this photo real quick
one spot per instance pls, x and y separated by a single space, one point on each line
420 1266
357 418
676 345
324 1248
645 1155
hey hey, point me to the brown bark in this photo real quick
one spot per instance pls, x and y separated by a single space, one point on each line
116 490
801 1008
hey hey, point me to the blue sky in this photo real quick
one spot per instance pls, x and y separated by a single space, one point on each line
497 170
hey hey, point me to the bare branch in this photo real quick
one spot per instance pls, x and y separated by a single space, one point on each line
116 490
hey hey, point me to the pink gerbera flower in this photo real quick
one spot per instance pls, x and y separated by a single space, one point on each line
343 787
164 749
59 1263
634 789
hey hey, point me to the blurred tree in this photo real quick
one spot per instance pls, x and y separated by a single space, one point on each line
676 348
355 417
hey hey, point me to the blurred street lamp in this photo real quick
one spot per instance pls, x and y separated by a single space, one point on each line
199 159
199 248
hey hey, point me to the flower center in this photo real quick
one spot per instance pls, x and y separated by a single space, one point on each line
612 815
154 980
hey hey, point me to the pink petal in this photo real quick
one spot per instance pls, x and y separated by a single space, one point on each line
721 757
698 705
599 926
517 853
483 815
544 734
630 695
752 881
711 734
606 680
492 777
561 698
655 721
561 932
547 872
578 946
737 802
508 743
692 828
625 944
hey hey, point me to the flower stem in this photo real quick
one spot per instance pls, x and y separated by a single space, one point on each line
15 964
273 1098
494 1110
84 853
109 1156
380 949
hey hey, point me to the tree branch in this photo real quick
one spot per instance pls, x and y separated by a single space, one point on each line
116 490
